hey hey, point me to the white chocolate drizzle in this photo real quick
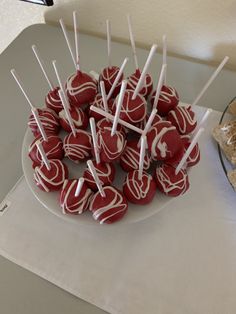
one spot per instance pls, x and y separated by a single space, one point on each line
135 110
114 207
75 90
158 144
81 203
53 101
133 81
105 172
138 188
109 75
167 96
98 102
194 156
48 119
52 151
77 151
183 119
118 138
168 184
44 180
78 121
130 157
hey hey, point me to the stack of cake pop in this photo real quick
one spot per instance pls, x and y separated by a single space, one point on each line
115 127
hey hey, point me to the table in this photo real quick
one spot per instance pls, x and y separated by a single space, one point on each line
187 77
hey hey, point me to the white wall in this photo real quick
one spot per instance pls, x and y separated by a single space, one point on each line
201 29
16 15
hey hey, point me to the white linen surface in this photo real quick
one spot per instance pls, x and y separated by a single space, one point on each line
181 260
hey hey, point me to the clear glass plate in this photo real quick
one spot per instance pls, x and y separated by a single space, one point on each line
50 201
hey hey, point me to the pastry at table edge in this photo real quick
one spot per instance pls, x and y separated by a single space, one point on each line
225 135
232 178
232 107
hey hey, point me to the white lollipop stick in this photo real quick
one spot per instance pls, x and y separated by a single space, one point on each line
94 137
42 66
95 177
111 118
119 74
43 155
104 97
66 108
108 42
68 42
54 63
20 84
204 118
75 22
164 60
142 155
118 107
159 85
79 187
214 75
39 124
149 122
188 151
144 72
132 41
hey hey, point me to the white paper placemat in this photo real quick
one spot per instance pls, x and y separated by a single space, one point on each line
182 260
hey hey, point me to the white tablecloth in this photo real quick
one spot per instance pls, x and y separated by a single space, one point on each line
181 260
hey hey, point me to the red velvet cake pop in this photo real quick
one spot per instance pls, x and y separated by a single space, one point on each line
110 208
108 76
147 85
53 148
98 103
183 118
194 156
139 191
105 124
81 88
51 179
156 120
53 100
72 204
105 172
174 161
129 160
78 148
170 183
132 110
49 120
79 119
163 141
141 125
110 147
167 101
